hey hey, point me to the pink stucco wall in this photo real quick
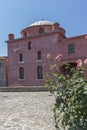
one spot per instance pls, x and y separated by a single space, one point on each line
80 48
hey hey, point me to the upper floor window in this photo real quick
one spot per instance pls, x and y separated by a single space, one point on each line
25 34
21 57
29 46
71 48
39 55
21 73
41 30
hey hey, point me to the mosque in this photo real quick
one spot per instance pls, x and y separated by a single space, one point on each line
27 55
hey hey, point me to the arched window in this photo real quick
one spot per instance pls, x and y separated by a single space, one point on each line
21 73
20 57
41 30
39 72
29 46
67 70
25 34
39 55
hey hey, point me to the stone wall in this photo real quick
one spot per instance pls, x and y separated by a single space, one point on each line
3 80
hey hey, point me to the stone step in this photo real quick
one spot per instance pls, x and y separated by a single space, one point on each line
23 89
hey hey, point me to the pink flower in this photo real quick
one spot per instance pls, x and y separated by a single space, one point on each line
79 63
85 61
59 57
53 67
48 56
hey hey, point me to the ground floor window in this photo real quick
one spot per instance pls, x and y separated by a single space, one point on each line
39 72
67 70
21 73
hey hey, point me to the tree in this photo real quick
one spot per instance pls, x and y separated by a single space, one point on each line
70 91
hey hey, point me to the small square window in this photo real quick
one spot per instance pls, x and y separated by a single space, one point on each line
71 48
41 30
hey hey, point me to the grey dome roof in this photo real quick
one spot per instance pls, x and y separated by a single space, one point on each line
42 22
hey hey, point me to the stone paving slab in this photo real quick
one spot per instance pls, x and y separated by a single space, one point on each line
26 111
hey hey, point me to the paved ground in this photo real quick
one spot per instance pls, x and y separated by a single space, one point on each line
26 111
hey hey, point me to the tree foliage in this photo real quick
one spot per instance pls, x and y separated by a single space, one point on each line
70 91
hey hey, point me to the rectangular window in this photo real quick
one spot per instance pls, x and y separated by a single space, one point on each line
21 57
39 55
71 48
29 46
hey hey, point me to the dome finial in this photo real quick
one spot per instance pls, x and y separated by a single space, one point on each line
42 19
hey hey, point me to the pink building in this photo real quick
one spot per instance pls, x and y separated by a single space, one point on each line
27 55
3 71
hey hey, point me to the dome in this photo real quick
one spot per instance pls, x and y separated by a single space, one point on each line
42 22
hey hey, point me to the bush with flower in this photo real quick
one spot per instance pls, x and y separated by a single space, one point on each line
70 91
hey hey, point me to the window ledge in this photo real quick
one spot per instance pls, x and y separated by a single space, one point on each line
39 60
21 79
21 62
71 53
39 79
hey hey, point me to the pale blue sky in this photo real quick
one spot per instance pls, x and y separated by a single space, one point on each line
16 15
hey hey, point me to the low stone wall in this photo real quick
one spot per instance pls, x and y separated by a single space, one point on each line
23 89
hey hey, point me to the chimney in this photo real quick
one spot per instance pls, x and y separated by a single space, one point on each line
55 26
11 36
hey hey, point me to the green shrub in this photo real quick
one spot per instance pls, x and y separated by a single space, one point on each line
70 91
